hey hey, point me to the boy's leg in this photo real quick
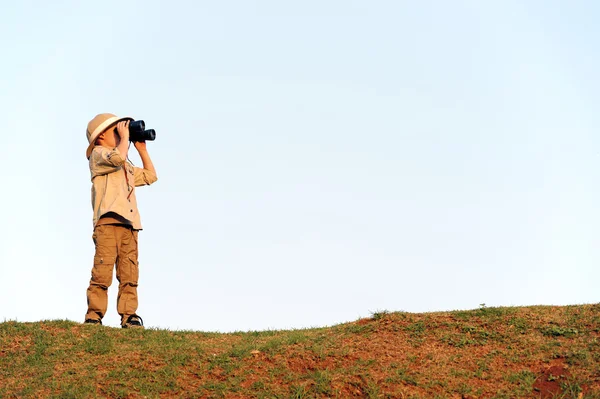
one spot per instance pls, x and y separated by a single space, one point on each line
102 272
127 273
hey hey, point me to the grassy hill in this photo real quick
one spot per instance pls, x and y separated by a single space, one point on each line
524 352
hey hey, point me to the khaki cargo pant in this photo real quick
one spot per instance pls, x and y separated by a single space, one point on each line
115 244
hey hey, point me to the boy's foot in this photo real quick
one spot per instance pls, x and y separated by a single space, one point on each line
93 321
133 321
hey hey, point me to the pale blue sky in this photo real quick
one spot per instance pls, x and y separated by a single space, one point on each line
317 160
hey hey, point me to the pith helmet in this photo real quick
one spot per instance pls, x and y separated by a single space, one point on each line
97 126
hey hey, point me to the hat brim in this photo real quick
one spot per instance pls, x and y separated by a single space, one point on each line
101 128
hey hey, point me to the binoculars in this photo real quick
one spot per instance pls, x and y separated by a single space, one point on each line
138 132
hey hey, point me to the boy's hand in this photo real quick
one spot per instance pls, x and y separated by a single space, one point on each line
123 130
140 145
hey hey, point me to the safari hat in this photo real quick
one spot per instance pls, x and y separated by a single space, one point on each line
97 126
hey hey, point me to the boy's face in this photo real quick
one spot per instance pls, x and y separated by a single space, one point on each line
109 138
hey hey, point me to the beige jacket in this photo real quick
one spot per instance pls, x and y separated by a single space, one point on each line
113 183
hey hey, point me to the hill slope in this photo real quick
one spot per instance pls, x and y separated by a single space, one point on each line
523 352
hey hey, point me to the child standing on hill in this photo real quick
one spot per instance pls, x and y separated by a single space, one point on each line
116 217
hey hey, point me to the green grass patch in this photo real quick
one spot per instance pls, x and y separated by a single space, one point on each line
486 352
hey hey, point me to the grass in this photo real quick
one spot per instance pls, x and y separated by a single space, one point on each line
482 353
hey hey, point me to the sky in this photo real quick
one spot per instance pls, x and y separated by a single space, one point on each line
318 161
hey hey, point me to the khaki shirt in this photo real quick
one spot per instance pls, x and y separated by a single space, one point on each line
113 185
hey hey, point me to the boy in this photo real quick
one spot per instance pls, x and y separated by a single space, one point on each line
116 217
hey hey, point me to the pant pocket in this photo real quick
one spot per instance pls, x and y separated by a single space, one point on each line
102 272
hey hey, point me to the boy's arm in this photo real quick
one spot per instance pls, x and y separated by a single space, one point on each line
143 151
104 161
123 130
148 174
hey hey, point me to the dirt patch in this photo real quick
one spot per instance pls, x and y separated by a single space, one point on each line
549 381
